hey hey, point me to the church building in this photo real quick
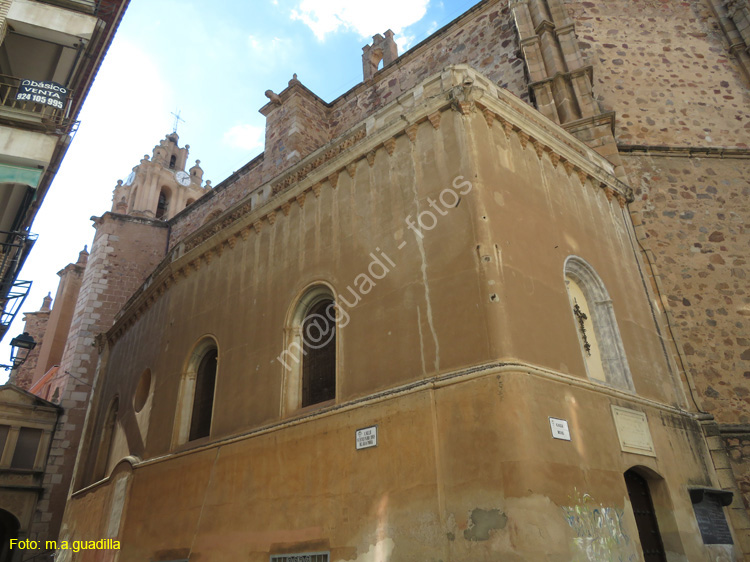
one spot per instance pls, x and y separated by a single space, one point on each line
490 304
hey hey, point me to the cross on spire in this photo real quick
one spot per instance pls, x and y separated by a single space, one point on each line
177 120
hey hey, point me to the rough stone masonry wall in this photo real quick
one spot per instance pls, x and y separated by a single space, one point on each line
125 250
294 129
665 68
485 39
737 445
696 219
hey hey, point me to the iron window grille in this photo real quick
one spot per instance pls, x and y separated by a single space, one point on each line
305 557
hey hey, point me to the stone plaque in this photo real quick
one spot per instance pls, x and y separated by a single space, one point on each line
367 437
633 431
560 429
709 512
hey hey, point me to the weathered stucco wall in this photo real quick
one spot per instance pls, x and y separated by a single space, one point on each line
476 267
464 471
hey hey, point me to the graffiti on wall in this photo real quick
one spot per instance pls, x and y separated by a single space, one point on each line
600 533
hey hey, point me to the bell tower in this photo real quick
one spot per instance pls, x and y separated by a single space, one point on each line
160 187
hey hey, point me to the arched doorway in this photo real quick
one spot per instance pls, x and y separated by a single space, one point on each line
8 530
645 517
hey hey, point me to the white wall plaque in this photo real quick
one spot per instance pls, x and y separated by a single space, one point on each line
633 431
560 429
367 437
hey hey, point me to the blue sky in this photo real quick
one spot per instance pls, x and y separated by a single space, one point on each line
212 61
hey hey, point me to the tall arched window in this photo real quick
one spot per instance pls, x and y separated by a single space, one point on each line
203 399
309 361
319 363
105 441
594 320
195 405
163 205
172 162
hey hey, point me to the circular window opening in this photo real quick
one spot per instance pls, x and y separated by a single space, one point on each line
142 391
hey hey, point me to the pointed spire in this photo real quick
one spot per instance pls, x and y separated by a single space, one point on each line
46 302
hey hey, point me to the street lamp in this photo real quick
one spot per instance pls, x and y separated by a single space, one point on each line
20 347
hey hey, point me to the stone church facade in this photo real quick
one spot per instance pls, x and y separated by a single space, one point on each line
491 303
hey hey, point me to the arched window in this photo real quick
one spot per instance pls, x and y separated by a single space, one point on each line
189 202
172 162
319 363
105 441
203 399
196 398
594 320
310 358
163 204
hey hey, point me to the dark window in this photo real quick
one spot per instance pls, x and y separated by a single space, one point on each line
26 448
319 363
645 517
203 400
161 208
172 162
105 443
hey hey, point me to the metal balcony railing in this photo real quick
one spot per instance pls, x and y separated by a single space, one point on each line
33 114
14 249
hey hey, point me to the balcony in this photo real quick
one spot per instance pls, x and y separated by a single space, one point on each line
29 114
14 249
84 6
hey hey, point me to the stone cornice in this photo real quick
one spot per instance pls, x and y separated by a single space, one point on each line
442 380
458 88
685 151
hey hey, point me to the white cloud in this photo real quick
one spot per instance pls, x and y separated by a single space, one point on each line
267 54
246 137
365 18
404 42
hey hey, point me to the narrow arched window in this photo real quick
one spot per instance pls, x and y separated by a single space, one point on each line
105 441
163 204
309 360
172 162
319 361
596 326
203 399
195 402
